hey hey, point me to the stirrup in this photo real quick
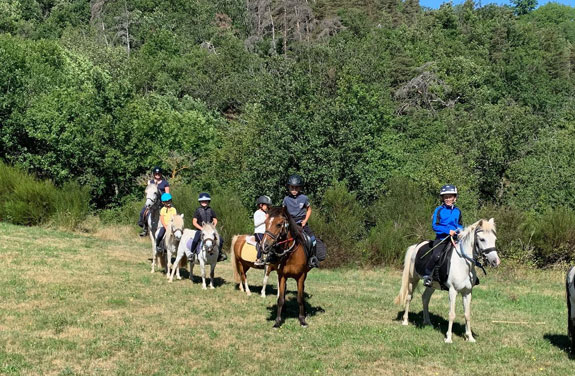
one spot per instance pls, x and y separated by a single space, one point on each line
313 262
427 281
144 232
222 257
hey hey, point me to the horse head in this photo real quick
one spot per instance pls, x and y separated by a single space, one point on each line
209 237
152 195
282 233
177 226
484 238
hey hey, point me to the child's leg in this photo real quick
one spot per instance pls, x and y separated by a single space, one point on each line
196 240
159 238
259 238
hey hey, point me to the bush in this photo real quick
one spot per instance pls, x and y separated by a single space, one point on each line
25 200
554 236
340 223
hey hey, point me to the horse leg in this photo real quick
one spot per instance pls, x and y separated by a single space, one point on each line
169 264
426 297
452 297
281 299
203 270
265 282
178 259
191 262
467 312
212 270
407 301
300 299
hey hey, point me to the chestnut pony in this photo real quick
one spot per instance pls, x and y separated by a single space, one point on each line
241 266
284 242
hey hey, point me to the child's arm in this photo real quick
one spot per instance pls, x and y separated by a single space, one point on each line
215 221
196 225
307 215
163 220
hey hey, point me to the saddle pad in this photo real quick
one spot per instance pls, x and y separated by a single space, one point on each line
249 252
441 271
251 240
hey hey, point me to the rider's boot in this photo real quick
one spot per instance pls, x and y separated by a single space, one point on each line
144 231
222 256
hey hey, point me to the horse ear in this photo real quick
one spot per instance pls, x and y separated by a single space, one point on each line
182 215
480 223
492 221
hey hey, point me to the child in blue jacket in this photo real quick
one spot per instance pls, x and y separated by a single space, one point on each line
447 221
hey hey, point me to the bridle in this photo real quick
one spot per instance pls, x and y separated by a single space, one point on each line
176 230
280 239
477 251
153 201
208 243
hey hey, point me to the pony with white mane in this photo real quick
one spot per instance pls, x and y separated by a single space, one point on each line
209 252
474 241
153 206
172 239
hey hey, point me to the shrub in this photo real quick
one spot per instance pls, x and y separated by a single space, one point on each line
24 200
554 236
340 223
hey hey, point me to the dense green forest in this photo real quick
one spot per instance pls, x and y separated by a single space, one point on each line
375 103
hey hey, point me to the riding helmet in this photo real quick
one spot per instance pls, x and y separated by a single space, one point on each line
448 189
204 197
264 200
157 170
295 180
166 197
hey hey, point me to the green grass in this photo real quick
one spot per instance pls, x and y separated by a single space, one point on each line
73 304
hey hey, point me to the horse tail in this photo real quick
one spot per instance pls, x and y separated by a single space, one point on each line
234 261
403 291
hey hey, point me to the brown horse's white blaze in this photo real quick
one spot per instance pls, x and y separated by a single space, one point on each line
284 240
475 241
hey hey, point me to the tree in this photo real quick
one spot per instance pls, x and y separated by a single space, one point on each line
524 6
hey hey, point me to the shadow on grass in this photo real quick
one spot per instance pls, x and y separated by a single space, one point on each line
439 323
560 341
291 307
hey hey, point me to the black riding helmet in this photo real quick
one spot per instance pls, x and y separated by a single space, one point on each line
157 170
264 200
295 180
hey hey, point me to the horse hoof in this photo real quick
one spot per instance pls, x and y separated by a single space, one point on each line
277 325
448 340
471 340
303 324
212 287
204 288
404 323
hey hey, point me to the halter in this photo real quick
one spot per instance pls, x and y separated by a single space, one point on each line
155 199
283 233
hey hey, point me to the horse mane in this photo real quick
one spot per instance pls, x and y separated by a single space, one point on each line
210 226
485 225
294 228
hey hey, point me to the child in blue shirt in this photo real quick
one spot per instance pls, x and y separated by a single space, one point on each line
447 221
298 206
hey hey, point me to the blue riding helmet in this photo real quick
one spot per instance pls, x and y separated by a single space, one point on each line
448 189
204 197
166 197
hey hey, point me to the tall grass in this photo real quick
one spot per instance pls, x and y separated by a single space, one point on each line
25 200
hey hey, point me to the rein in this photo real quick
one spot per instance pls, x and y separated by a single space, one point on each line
277 243
474 261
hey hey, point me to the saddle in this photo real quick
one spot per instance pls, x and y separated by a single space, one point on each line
441 270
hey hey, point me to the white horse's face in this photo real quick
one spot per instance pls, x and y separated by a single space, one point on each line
485 238
178 226
152 195
209 239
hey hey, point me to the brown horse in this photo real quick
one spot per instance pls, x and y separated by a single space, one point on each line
284 241
241 266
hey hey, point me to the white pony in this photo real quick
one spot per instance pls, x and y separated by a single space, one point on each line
153 206
570 288
172 239
475 240
210 244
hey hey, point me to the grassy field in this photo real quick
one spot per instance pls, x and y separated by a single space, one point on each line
74 304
